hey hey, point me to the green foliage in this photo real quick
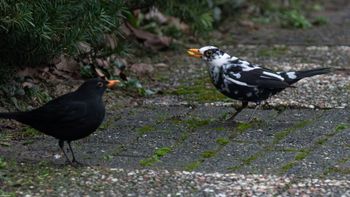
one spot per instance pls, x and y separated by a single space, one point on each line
3 164
289 14
197 13
34 31
295 18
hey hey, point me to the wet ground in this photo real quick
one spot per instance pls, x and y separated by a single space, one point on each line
299 143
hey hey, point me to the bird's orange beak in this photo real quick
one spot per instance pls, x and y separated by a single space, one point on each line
194 53
112 83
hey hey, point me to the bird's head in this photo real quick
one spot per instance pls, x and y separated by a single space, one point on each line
212 55
97 86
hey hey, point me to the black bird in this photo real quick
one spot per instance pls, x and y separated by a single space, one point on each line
71 116
244 81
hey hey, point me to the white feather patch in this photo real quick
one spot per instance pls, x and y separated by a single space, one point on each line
291 75
273 75
237 75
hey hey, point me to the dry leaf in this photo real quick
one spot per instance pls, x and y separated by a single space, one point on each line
156 15
67 64
142 69
150 40
27 84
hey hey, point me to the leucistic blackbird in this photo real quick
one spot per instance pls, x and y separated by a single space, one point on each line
244 81
71 116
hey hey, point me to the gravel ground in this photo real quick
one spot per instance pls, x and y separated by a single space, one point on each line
94 181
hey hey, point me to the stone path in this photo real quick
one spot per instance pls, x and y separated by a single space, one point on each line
179 143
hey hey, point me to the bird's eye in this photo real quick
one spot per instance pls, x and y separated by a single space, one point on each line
208 53
100 84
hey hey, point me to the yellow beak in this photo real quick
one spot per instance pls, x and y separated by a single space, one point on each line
112 83
194 53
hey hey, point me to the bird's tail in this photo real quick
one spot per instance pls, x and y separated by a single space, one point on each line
294 76
10 115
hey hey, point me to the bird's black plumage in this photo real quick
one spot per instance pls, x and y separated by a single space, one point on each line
244 81
71 116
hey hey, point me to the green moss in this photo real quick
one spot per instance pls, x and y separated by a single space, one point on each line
286 167
220 129
283 134
233 168
162 151
341 127
343 160
107 157
183 136
201 91
322 141
197 122
302 154
280 136
208 154
222 141
7 194
145 129
106 124
337 170
243 126
3 164
149 161
286 149
192 166
250 159
29 132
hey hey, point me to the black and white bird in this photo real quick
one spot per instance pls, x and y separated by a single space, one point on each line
244 81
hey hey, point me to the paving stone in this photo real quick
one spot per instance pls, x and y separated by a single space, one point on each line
269 162
320 160
308 135
273 123
230 156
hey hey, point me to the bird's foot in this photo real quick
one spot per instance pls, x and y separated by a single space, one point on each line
77 163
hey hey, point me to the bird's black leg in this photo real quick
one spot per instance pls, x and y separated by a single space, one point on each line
61 144
71 150
253 113
238 110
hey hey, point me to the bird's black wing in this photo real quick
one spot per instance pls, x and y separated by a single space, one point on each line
253 76
56 114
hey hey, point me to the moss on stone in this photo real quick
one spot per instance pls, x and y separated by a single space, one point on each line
145 129
243 126
302 154
283 134
208 154
201 91
222 141
286 167
192 166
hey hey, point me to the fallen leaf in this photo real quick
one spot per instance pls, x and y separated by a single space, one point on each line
84 47
150 40
161 65
27 84
142 69
156 15
67 64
